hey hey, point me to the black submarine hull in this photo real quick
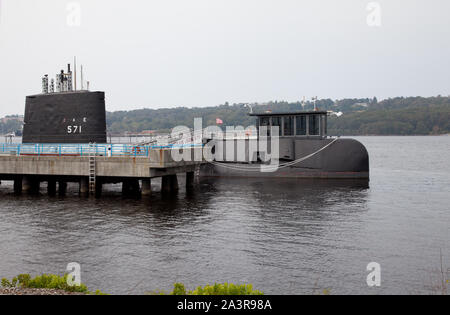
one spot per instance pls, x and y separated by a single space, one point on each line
341 159
67 117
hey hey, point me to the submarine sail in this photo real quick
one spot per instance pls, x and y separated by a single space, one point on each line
64 116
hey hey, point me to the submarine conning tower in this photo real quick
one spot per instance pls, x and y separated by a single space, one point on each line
66 115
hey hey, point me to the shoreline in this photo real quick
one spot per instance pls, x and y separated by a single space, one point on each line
26 291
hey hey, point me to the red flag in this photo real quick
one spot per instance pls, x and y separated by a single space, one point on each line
219 121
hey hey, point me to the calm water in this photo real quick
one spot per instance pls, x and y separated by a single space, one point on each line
284 236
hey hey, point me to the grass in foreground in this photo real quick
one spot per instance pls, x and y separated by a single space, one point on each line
46 281
55 282
216 289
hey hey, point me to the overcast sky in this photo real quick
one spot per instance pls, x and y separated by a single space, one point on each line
166 53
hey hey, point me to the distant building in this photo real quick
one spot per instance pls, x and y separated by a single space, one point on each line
12 118
148 132
361 105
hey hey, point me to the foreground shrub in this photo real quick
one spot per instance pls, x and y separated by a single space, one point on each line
45 281
217 289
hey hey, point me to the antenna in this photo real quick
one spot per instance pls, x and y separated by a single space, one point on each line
45 84
69 79
249 106
75 71
82 84
315 103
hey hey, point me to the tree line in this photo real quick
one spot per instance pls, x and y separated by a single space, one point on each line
395 116
11 124
366 116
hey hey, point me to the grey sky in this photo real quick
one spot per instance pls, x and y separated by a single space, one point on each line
165 53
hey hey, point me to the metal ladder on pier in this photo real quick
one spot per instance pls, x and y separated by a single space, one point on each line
92 167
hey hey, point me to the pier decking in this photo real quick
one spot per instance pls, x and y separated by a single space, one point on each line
92 166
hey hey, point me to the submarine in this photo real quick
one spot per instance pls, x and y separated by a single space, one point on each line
63 114
304 149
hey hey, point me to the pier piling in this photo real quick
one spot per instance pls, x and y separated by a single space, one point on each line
174 183
62 188
30 185
18 185
84 186
169 184
98 188
26 184
51 187
146 187
190 177
130 187
165 184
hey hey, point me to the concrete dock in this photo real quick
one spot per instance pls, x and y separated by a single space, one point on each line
92 171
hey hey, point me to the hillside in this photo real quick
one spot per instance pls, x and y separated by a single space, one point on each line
398 116
11 124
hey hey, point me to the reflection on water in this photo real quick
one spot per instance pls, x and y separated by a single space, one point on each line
225 230
284 236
